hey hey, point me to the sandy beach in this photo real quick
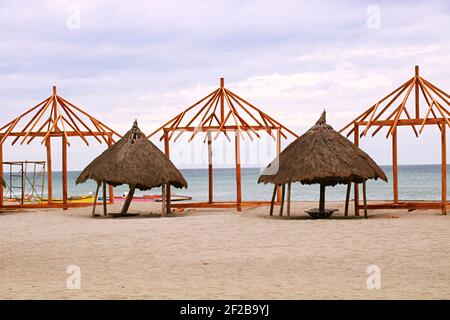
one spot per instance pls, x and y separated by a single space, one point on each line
221 254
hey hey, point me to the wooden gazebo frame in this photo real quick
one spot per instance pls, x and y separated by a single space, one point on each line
51 118
222 111
377 116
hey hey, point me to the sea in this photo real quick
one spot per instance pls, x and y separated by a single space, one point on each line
416 182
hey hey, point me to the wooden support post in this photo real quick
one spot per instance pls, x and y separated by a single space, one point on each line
289 200
111 188
347 198
126 205
278 154
273 199
322 198
49 171
356 191
105 210
222 102
365 199
238 171
95 200
1 174
210 169
64 172
416 83
163 200
283 189
444 167
168 191
395 166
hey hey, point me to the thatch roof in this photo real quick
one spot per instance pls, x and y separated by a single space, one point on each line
324 156
133 160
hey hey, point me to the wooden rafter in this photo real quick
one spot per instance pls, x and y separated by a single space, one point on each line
55 116
437 102
230 113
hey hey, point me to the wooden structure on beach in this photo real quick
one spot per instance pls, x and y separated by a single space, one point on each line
136 161
325 157
392 112
54 117
222 111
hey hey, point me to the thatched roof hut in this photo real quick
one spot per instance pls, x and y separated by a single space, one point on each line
322 156
136 161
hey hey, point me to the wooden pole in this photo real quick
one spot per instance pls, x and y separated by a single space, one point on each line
273 199
222 102
111 188
95 200
322 198
126 205
238 171
49 171
347 198
395 166
356 191
283 189
168 191
278 154
105 210
444 167
64 171
1 174
416 82
163 200
365 199
289 200
210 169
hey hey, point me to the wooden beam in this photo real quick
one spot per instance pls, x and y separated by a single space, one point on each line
48 147
238 171
365 199
356 191
289 200
347 198
128 200
105 209
283 189
416 83
272 202
163 200
394 166
64 171
167 153
402 122
210 169
444 168
95 200
278 149
111 188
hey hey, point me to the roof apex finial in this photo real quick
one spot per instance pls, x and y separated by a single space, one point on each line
323 117
135 124
222 82
54 90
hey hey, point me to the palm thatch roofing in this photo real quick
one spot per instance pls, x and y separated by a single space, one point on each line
133 160
321 155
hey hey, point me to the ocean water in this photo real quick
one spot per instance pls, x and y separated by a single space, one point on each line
415 182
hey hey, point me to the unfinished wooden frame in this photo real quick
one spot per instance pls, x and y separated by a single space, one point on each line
385 113
222 111
54 117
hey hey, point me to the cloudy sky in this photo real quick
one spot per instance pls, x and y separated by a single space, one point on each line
148 60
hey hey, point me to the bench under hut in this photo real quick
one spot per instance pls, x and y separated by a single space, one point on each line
136 161
321 156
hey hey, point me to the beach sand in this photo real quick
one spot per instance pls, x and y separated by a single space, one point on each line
221 254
